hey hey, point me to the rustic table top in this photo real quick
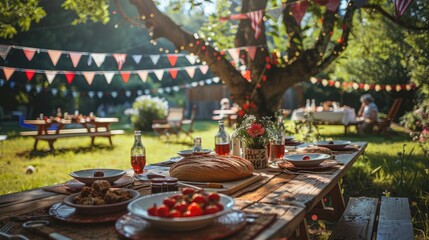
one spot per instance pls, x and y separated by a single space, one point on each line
290 196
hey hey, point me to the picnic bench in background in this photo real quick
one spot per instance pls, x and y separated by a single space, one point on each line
66 128
175 123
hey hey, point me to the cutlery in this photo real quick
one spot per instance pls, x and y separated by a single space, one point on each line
6 228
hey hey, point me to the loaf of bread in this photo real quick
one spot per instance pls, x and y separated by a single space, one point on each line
211 168
314 149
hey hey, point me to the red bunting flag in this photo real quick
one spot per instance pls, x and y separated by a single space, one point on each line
256 20
29 74
251 51
332 5
120 59
401 6
172 59
298 10
70 77
125 76
173 73
29 53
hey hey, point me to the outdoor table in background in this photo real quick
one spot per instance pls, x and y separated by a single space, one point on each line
343 116
292 197
52 129
230 115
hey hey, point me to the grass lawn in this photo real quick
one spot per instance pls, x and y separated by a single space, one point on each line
380 172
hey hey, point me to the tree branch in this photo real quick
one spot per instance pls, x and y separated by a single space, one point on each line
380 10
293 31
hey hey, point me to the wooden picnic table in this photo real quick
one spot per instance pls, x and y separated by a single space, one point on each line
230 115
92 127
291 197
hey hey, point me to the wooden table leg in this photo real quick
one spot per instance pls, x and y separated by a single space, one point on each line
337 201
35 144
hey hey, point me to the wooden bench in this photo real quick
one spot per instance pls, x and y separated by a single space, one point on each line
360 217
52 135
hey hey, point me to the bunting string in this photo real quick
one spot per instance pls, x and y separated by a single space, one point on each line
363 86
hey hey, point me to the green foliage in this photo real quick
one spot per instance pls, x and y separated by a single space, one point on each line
145 110
95 10
17 15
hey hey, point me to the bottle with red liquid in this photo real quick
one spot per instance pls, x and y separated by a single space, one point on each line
222 141
138 154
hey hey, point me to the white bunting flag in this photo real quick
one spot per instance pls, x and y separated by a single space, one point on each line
114 94
89 76
143 75
154 58
137 58
190 71
159 73
120 59
235 54
8 72
100 94
216 79
28 87
128 93
251 51
54 55
29 53
50 75
98 58
38 89
191 59
4 51
176 88
91 94
204 69
108 76
75 58
54 91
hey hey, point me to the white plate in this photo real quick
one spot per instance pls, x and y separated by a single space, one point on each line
315 159
139 207
87 176
100 209
187 153
333 144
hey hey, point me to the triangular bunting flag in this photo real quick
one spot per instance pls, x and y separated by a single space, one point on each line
30 74
332 5
251 51
204 69
137 58
54 55
401 6
4 51
159 73
120 59
89 76
256 20
125 76
50 75
216 79
172 59
275 12
8 72
75 58
173 73
235 54
298 10
29 53
70 77
154 58
143 75
108 76
190 71
98 58
191 59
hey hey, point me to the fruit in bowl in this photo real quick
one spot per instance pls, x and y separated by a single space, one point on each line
181 211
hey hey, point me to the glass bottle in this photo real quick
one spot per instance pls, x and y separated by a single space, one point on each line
235 143
222 141
197 149
138 154
307 105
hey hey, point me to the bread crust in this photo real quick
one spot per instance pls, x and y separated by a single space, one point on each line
211 168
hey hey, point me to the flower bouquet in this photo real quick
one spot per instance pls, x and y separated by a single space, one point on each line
255 135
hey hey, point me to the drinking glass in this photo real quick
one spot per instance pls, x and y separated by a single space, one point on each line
279 147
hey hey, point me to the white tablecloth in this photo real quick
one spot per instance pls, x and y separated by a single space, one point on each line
343 115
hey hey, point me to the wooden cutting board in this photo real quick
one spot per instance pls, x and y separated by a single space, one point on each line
228 187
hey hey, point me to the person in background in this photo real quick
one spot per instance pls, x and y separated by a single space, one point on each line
367 114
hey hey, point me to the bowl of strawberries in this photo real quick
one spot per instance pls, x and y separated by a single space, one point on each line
181 211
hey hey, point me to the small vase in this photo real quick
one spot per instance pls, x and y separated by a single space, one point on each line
258 157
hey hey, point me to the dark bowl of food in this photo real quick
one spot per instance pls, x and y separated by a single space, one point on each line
89 176
101 199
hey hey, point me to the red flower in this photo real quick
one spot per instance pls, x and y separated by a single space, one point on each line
255 130
241 112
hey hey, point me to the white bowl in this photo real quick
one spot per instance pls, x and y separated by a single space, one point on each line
315 159
139 207
334 144
100 209
87 176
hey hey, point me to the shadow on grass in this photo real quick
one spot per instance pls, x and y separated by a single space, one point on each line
45 153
